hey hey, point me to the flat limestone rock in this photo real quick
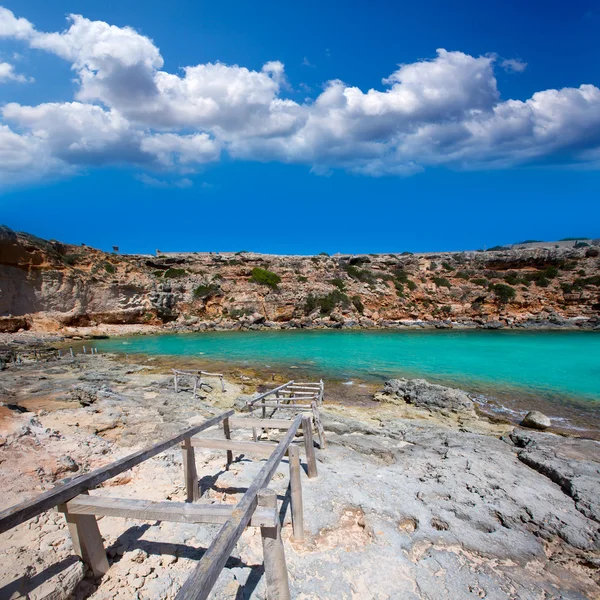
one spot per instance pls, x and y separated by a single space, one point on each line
423 394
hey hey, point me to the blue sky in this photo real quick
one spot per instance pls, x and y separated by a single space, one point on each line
273 141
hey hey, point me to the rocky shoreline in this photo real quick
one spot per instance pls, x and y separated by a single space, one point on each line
418 495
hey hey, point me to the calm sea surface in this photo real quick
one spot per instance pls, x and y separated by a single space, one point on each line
561 368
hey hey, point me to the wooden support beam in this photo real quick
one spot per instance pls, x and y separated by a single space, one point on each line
200 583
311 459
175 512
276 575
227 433
87 541
296 493
189 471
262 448
318 425
26 510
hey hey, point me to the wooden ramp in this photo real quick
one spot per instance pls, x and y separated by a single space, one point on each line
292 396
256 508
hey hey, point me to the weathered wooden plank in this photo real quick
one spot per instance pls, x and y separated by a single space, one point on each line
227 433
26 510
282 405
276 575
176 512
189 471
199 584
262 448
296 493
311 459
263 423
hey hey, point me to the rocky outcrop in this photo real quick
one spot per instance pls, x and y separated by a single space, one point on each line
47 284
536 420
423 394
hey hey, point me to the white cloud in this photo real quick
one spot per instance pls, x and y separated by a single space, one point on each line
150 181
513 65
446 111
7 73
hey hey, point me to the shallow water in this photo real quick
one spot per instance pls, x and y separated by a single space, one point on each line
561 368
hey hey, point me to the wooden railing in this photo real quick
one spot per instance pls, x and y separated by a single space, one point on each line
292 396
197 377
257 507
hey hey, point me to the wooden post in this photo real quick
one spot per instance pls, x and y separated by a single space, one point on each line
87 541
222 384
296 493
255 434
189 471
276 575
71 350
175 381
318 425
227 432
309 445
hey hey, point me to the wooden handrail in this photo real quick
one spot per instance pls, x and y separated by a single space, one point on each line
273 391
19 513
199 584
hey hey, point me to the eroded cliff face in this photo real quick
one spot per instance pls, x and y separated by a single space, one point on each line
47 284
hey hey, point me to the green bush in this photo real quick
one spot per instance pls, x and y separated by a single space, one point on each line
463 274
447 266
497 248
206 290
339 283
323 254
71 259
157 273
512 278
582 282
109 268
503 292
236 313
399 289
264 277
480 281
174 273
401 275
326 303
446 309
592 253
302 279
441 282
360 307
363 275
411 285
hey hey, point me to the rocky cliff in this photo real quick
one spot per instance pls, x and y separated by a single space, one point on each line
49 285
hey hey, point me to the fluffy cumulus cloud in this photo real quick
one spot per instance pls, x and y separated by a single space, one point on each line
127 110
7 73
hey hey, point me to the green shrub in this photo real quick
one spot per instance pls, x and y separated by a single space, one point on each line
503 292
447 266
157 273
364 275
71 259
206 290
360 307
441 282
323 254
592 253
264 277
359 260
411 285
512 278
582 282
581 245
326 303
339 283
174 273
401 275
399 289
463 274
480 281
497 248
109 268
446 309
302 279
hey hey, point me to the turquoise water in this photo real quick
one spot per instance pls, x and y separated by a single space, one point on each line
557 366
